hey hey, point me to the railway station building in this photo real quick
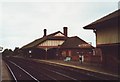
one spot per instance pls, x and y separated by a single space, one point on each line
58 46
48 44
108 39
76 48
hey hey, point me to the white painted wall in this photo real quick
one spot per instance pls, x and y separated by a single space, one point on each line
52 43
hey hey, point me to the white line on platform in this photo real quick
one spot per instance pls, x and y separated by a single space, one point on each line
80 68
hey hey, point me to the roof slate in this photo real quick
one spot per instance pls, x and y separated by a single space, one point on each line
75 42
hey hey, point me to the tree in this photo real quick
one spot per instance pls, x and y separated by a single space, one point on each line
16 51
7 52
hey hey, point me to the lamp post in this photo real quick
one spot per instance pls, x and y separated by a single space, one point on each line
46 53
80 57
80 53
57 54
30 52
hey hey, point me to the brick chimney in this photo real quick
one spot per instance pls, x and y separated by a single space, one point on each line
45 32
65 31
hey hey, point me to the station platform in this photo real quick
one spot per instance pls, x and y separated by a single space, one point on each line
5 74
84 66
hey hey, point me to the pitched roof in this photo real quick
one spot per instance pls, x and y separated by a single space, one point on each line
112 17
75 42
48 37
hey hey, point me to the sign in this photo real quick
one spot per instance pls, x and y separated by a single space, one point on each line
84 45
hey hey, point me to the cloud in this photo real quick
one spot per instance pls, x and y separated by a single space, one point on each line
23 22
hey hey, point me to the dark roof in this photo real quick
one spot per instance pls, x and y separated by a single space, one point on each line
75 42
48 37
111 18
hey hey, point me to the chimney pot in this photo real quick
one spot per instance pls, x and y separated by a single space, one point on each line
45 32
65 31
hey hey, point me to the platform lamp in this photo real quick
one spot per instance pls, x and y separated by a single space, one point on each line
30 52
81 53
58 51
46 53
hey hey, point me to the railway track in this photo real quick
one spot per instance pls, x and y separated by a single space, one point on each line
28 72
18 73
23 69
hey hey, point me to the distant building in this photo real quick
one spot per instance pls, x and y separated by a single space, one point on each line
107 38
48 44
57 46
75 47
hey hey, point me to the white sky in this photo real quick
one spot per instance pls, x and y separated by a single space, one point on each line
22 21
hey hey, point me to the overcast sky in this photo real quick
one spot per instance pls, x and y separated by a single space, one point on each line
23 21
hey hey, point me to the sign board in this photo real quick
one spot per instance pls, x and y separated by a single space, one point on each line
84 46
